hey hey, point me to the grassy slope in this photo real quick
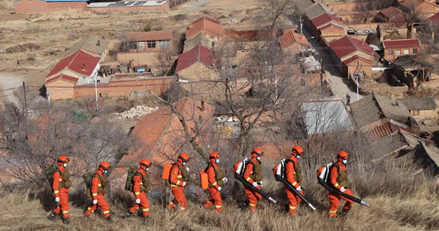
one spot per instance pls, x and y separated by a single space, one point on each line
419 211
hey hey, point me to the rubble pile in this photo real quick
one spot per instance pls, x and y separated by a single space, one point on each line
136 112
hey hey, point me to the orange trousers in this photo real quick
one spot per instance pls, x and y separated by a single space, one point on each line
253 198
334 201
215 198
144 203
293 201
102 204
63 205
179 198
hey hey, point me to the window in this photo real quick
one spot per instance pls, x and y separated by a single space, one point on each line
390 52
164 43
406 51
398 52
151 43
415 50
141 46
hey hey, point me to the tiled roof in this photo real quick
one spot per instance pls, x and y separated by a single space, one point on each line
151 35
205 25
290 37
64 77
324 19
417 103
196 54
393 14
80 62
401 43
347 45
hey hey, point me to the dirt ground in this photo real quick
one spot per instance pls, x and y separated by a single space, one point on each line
34 43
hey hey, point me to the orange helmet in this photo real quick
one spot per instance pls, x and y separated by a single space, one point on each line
342 155
104 165
145 162
184 157
257 151
214 155
63 159
298 149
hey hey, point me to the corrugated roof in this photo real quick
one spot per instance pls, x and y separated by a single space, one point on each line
151 35
80 62
417 103
326 117
197 54
347 45
401 43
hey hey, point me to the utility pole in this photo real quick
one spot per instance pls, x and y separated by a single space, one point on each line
25 99
301 25
96 92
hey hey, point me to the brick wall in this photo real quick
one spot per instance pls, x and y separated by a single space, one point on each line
60 89
160 8
403 51
38 6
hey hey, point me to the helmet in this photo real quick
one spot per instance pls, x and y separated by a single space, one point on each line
104 165
145 162
342 155
298 149
257 151
63 159
214 155
184 157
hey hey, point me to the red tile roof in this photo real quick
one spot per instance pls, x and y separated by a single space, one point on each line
64 77
205 25
347 45
393 14
434 20
151 35
80 62
324 19
290 36
401 43
197 54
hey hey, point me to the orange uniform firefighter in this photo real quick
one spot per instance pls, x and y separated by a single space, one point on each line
99 187
216 180
253 174
141 186
60 186
178 179
338 179
293 176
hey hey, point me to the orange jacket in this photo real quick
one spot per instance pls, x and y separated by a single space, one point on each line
96 184
211 175
176 176
138 181
334 175
290 171
250 171
56 180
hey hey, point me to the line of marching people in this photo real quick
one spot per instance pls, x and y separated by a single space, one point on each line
332 176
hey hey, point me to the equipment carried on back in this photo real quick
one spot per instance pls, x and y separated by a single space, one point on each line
280 173
129 183
204 180
49 171
166 173
239 166
323 178
88 177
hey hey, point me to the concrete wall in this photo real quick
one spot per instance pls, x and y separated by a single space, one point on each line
40 7
60 89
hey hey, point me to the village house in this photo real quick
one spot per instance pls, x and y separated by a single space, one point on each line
141 49
407 70
421 108
395 48
292 42
423 9
196 64
433 25
329 27
355 56
205 31
391 15
48 6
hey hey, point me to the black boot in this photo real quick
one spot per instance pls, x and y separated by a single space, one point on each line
52 216
128 214
109 219
66 220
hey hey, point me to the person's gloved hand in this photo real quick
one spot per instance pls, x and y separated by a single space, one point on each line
260 183
225 180
95 202
342 189
184 183
255 184
56 199
299 189
138 201
219 188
